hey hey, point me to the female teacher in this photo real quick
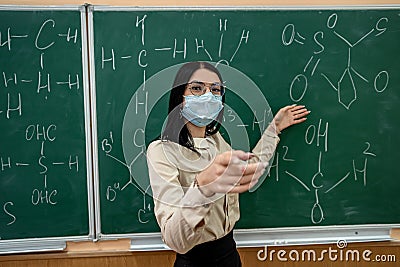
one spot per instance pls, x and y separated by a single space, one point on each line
196 176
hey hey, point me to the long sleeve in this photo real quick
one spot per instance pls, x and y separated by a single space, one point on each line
266 146
179 213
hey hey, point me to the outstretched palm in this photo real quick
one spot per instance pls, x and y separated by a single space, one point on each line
290 115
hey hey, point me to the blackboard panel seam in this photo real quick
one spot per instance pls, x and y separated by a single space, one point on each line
88 130
94 123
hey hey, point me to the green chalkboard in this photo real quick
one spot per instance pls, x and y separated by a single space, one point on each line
44 146
337 168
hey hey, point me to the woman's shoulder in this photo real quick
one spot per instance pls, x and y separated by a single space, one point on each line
154 144
160 147
165 152
160 143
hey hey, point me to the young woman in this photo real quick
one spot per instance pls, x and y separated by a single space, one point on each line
196 176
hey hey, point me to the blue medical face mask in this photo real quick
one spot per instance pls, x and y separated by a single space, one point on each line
202 110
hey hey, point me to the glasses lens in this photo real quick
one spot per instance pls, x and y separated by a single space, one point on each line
217 89
197 88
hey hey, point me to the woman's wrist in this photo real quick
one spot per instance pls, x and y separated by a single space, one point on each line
273 127
202 188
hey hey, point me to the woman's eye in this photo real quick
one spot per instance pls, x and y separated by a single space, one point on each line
196 88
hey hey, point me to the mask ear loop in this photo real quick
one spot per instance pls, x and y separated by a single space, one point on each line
180 111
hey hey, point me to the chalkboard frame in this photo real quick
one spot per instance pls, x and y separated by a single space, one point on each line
280 236
28 245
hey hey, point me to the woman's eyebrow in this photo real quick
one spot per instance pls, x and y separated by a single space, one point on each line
195 81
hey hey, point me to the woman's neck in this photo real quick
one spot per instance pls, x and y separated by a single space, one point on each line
196 132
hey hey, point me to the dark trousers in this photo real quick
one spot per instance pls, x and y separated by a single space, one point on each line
218 253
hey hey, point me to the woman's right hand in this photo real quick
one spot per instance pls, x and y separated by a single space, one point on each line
230 173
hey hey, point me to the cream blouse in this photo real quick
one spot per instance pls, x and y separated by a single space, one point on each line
187 217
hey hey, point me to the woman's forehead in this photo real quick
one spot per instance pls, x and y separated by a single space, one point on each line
204 75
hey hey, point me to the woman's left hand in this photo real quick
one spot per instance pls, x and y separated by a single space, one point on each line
290 115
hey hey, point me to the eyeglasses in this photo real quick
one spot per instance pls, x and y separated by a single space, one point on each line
199 88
